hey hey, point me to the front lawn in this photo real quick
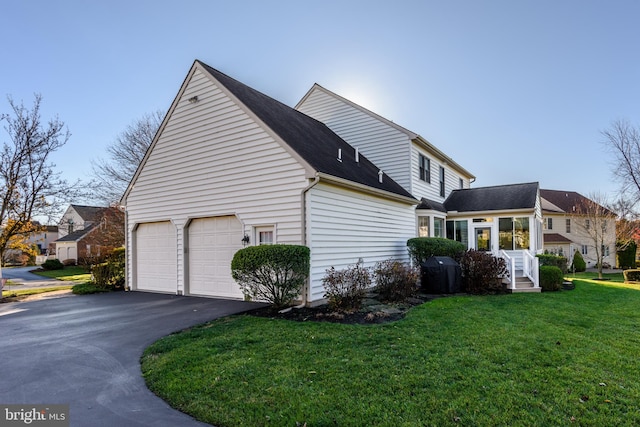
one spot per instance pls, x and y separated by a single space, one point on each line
523 359
70 273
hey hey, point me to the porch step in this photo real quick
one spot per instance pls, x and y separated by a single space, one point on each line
523 284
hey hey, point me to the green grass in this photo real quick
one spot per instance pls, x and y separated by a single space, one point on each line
513 360
71 273
34 291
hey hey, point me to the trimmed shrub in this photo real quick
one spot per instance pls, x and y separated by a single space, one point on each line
553 260
69 262
631 276
395 280
52 264
111 273
422 248
482 273
551 278
578 265
627 256
345 289
271 273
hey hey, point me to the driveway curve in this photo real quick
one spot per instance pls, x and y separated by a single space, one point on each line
85 351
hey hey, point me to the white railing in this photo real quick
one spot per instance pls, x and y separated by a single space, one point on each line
511 268
530 264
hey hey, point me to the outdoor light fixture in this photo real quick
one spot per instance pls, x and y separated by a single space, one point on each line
193 99
245 240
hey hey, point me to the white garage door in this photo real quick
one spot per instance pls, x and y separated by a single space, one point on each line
156 265
212 243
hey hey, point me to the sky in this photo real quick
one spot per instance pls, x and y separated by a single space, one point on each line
513 91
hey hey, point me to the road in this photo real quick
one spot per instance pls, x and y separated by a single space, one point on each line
22 278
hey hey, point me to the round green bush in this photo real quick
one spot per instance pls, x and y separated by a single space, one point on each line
52 264
578 264
423 248
551 278
271 273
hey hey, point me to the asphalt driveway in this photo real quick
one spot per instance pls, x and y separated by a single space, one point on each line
85 351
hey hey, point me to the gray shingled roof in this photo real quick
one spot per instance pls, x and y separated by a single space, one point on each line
428 204
555 238
500 197
312 140
76 235
88 213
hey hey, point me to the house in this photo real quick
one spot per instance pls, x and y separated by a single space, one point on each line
43 238
88 232
505 220
569 225
231 166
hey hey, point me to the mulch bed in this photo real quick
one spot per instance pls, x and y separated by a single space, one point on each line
372 311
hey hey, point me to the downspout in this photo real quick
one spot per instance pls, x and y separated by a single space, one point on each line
304 232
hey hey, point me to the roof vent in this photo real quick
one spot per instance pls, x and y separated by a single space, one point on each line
380 173
339 154
357 156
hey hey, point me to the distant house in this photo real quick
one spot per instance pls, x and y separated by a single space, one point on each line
88 232
566 227
43 239
231 166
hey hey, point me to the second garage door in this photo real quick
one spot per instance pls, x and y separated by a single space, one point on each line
156 257
212 244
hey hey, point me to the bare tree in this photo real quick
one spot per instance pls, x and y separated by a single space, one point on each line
111 176
29 187
596 223
623 141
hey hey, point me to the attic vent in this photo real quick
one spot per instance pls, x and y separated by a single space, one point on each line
357 155
339 154
380 173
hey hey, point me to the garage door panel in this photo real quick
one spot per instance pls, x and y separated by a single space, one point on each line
156 257
212 244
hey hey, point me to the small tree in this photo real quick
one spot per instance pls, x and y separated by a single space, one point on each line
578 265
271 273
29 187
597 223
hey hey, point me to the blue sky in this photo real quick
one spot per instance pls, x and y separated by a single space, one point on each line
514 91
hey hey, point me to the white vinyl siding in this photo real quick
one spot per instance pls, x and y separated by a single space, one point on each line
204 165
431 190
344 226
387 147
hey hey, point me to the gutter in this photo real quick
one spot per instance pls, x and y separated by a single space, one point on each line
303 196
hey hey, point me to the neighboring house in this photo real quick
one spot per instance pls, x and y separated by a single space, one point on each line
87 232
566 227
44 240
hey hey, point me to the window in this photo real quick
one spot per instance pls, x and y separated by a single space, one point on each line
548 223
461 184
438 227
568 225
605 251
514 233
424 165
587 224
585 249
458 231
441 181
264 235
423 226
